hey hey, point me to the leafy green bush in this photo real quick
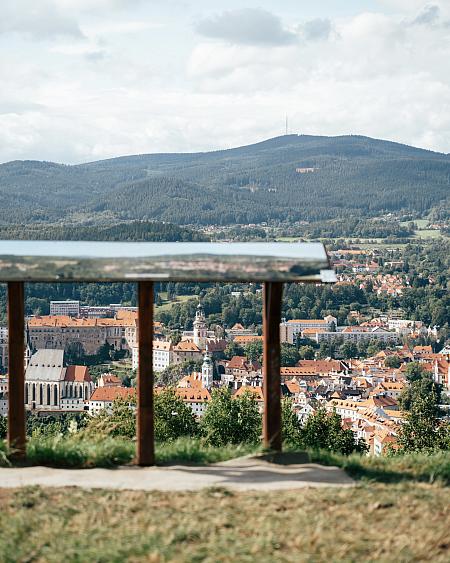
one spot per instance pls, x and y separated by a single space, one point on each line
291 425
4 461
321 431
393 361
120 422
51 425
422 430
229 420
173 418
3 427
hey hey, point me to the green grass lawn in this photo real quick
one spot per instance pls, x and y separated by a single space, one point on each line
398 511
428 234
372 522
407 467
372 245
420 223
75 452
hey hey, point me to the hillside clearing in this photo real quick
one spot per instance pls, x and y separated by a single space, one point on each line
167 304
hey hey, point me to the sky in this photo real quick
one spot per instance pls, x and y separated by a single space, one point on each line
83 80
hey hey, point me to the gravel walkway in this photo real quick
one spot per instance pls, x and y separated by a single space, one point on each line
243 474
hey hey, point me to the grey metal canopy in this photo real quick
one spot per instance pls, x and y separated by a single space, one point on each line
49 261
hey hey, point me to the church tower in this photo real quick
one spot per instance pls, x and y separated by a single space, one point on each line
200 329
207 371
28 348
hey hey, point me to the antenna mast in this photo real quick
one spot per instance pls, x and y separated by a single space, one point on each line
286 124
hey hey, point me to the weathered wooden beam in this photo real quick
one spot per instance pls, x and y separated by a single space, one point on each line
16 369
73 261
271 366
145 417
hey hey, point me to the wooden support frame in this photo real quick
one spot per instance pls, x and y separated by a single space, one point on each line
272 439
16 369
145 454
145 417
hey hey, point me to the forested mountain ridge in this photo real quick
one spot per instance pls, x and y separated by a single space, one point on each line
135 231
293 177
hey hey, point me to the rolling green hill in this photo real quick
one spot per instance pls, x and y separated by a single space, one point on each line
352 176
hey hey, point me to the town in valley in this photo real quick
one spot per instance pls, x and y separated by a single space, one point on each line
354 359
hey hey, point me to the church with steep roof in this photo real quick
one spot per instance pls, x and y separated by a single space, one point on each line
53 386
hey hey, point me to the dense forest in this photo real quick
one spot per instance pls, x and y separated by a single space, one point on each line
136 231
289 178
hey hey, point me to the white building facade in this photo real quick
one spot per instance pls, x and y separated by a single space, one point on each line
291 330
69 308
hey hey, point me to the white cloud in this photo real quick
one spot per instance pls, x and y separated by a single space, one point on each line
248 26
413 8
317 29
100 6
120 27
428 15
138 84
43 20
49 19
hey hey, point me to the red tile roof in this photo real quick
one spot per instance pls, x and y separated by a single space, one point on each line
241 362
257 391
186 346
321 365
78 373
193 395
109 394
244 339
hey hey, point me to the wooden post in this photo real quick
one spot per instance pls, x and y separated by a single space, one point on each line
271 365
16 369
145 423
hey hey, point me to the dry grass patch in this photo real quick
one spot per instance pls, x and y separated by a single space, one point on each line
377 522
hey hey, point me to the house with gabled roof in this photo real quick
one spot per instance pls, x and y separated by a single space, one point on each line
104 397
186 350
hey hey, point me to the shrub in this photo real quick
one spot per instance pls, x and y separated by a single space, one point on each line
422 430
290 423
51 425
173 418
229 420
324 431
120 422
393 361
3 427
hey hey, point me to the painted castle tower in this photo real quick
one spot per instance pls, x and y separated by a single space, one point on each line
207 371
200 329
